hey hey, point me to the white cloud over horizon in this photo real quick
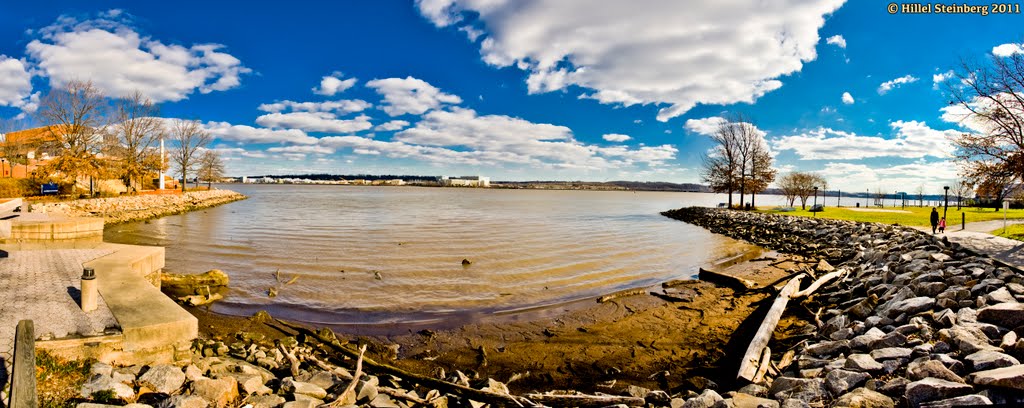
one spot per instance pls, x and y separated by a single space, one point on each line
615 137
120 61
322 122
667 53
912 139
887 86
333 84
410 95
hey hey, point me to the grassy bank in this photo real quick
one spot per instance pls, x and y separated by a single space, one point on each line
1013 231
911 216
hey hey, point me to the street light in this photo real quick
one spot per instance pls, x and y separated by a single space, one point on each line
815 201
945 201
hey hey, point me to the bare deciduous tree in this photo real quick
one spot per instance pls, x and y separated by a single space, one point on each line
76 121
211 167
137 127
920 195
188 136
721 166
963 189
800 185
990 96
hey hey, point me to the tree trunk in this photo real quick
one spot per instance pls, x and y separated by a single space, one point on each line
184 180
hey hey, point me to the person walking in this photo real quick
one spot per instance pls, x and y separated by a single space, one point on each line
942 225
934 218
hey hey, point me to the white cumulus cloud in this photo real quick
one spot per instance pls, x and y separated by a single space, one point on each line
887 86
667 52
314 122
15 84
410 95
615 137
836 40
341 107
120 61
847 98
333 84
392 125
1006 50
249 134
912 139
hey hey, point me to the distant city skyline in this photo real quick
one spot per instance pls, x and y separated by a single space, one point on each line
531 90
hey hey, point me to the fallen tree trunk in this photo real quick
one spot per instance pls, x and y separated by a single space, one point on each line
824 280
749 363
592 401
726 280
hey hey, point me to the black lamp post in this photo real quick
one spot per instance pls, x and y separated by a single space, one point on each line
815 201
945 201
904 200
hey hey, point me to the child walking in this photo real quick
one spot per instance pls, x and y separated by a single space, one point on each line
942 225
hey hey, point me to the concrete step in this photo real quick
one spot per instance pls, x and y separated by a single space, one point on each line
128 280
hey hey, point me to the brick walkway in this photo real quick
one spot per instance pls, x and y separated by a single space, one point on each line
43 286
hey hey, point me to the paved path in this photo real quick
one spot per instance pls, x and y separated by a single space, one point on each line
976 236
43 285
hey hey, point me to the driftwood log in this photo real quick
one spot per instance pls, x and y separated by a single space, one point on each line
749 363
621 294
586 401
720 278
822 281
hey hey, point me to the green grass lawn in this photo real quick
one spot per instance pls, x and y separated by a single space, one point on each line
1015 231
916 216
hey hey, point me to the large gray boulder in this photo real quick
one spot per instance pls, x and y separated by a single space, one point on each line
1007 377
840 381
987 360
864 398
163 378
1008 315
931 389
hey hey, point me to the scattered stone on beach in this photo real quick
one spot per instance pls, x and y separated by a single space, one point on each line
466 262
931 389
864 398
163 378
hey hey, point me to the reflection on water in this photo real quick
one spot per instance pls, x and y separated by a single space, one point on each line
527 248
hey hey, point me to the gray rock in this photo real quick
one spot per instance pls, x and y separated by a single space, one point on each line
265 401
706 399
660 398
300 404
192 372
890 353
298 387
795 403
940 257
742 400
919 370
862 363
218 392
252 385
383 401
911 306
999 296
931 389
967 339
864 398
841 381
828 348
1007 377
966 400
101 382
865 340
163 378
101 368
1008 315
187 401
804 389
754 389
366 390
894 339
987 360
894 387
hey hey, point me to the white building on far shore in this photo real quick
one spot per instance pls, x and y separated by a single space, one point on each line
466 181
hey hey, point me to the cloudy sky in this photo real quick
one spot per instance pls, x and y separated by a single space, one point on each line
522 89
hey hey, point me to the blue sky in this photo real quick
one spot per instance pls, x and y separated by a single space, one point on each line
522 89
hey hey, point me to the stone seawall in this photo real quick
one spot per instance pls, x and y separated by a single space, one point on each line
913 320
116 210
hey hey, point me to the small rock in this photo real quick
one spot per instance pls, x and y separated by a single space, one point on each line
931 389
894 387
862 363
101 368
706 399
828 348
919 370
1007 377
911 306
163 378
841 381
100 382
219 392
298 387
966 400
187 401
987 360
265 401
1008 315
889 353
864 398
742 400
999 296
805 389
894 339
299 404
193 373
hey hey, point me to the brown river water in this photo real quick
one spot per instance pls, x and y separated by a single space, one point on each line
393 255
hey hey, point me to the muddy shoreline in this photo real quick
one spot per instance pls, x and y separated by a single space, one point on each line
641 340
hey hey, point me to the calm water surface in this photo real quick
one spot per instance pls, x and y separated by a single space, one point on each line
529 249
